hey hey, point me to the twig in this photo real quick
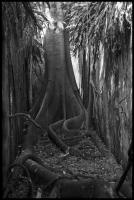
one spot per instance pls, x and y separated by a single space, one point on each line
28 117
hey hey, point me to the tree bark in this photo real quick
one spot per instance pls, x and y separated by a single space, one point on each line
5 110
61 98
85 79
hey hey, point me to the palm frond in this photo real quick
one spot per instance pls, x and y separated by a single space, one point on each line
95 21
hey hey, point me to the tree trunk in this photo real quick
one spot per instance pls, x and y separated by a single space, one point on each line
12 109
90 107
5 110
85 79
61 106
30 82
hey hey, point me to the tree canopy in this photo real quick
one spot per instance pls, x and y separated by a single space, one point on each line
92 22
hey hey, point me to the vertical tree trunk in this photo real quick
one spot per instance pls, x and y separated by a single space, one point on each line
12 109
90 107
84 69
85 80
30 82
61 97
5 111
106 112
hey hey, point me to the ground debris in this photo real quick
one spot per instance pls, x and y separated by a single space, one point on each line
97 164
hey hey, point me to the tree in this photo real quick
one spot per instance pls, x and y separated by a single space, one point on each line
105 29
95 25
59 108
19 24
60 105
5 108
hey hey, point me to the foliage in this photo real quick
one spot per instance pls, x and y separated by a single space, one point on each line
92 22
22 26
23 21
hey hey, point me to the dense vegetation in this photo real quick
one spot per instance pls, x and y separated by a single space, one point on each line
38 77
101 35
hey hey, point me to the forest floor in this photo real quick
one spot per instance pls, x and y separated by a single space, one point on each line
97 164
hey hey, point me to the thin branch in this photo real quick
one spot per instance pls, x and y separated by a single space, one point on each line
28 117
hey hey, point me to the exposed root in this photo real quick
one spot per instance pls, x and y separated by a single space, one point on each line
55 139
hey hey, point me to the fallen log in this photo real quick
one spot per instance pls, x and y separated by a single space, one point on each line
40 174
58 186
65 187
